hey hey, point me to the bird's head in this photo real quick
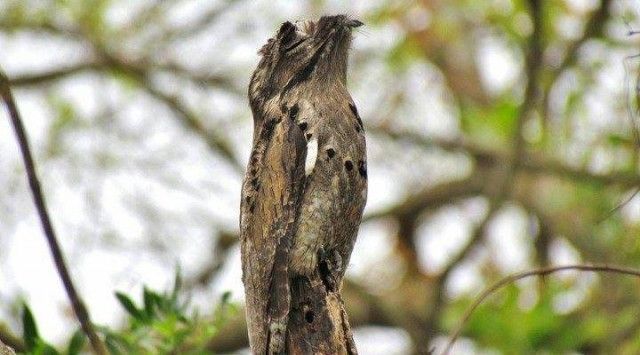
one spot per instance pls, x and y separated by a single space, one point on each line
301 52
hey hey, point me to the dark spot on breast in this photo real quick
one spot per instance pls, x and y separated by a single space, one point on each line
303 126
247 199
362 168
308 316
252 207
255 183
331 153
284 108
309 135
293 112
348 164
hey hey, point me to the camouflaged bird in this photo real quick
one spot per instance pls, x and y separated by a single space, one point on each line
306 183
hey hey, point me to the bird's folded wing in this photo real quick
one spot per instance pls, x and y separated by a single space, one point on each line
271 194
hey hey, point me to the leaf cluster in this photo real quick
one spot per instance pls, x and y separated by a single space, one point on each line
162 324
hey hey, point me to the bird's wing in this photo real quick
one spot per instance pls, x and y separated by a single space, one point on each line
271 194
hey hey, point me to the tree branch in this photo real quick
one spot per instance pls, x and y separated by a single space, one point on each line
521 275
38 198
140 73
53 75
504 172
191 121
433 197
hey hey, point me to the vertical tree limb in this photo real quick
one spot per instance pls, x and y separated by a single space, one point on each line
317 319
38 198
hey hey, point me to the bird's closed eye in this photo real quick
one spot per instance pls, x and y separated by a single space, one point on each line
295 44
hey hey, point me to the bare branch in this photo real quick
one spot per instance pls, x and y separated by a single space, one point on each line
433 197
521 275
191 121
528 163
504 172
140 72
53 75
204 21
38 198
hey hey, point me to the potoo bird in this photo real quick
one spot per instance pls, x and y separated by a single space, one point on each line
306 183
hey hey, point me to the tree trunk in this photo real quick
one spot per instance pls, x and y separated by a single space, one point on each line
5 350
318 322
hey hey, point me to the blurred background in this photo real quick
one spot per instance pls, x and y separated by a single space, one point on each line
501 136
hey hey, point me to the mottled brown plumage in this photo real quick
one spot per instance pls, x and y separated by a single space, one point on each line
306 182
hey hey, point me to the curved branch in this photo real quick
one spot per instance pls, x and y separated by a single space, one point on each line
521 275
76 302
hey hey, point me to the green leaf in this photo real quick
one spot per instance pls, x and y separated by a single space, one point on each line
66 119
403 54
177 285
45 349
493 125
225 297
76 343
114 344
618 140
129 306
30 329
151 301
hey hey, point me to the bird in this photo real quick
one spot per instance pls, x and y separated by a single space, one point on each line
305 187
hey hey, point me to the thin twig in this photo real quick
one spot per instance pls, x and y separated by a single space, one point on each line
631 115
38 198
620 205
521 275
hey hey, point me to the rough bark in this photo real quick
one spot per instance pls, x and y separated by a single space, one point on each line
318 322
5 350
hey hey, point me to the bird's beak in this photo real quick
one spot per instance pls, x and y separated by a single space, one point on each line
354 23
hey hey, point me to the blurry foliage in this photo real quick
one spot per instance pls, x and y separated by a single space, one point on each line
161 325
493 125
506 324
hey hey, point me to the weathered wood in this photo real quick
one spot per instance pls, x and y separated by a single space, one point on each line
5 350
318 323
